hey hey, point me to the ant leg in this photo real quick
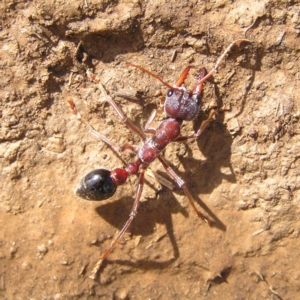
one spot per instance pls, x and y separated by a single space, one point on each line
116 108
147 128
161 102
198 88
100 136
179 181
199 85
160 108
204 124
121 115
162 180
91 129
215 68
132 148
125 227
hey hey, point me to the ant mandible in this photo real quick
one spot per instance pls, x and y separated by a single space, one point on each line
179 105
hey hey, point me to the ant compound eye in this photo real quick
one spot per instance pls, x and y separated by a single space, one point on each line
170 93
198 100
96 185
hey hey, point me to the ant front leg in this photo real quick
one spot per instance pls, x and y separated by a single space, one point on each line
180 182
125 227
203 125
216 66
198 89
150 120
147 128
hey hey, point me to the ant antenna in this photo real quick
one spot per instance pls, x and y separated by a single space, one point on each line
155 76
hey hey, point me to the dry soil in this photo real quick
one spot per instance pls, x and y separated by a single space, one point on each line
243 171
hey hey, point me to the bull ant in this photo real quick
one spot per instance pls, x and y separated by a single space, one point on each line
179 105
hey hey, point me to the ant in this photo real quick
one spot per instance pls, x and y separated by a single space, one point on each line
179 105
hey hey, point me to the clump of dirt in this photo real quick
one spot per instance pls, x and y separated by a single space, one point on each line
243 170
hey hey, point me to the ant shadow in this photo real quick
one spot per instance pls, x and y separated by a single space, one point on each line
150 213
215 144
159 211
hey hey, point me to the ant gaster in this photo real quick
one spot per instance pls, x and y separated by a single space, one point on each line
179 105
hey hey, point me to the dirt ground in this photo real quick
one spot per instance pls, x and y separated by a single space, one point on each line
243 171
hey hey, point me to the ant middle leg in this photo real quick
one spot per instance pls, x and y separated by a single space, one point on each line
91 129
116 108
100 136
121 115
181 183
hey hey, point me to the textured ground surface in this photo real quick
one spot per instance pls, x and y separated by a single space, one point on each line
245 167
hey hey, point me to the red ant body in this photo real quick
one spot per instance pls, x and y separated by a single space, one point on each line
179 105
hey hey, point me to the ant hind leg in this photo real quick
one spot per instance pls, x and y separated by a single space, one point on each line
125 227
182 185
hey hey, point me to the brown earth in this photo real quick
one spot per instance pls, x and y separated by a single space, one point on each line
245 167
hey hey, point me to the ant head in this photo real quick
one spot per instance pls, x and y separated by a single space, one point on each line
181 104
96 185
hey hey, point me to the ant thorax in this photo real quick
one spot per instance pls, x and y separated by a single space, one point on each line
181 104
167 131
